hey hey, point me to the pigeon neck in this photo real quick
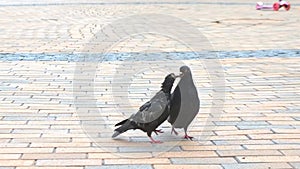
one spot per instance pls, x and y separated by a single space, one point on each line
187 78
166 90
167 87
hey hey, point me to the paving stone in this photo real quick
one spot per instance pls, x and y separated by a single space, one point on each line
147 149
84 150
203 161
291 152
115 155
239 132
9 156
69 162
284 131
137 161
295 165
230 137
11 163
14 150
265 127
187 154
274 136
120 167
8 145
13 118
35 167
57 144
187 166
40 140
54 156
19 135
286 141
270 159
273 146
242 142
257 165
213 147
230 153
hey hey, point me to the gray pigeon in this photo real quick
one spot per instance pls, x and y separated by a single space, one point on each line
185 103
151 114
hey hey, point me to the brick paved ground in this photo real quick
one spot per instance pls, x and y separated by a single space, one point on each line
39 125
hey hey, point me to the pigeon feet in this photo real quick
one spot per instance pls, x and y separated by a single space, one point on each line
175 132
155 141
158 131
188 137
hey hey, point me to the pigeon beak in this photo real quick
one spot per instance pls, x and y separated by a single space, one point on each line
180 75
173 75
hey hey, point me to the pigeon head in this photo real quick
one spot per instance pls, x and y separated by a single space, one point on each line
185 70
168 82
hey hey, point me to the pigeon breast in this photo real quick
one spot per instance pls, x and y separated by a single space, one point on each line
186 95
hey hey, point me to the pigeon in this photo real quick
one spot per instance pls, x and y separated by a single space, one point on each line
151 114
185 103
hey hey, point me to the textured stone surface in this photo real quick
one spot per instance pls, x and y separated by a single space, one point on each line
54 134
46 122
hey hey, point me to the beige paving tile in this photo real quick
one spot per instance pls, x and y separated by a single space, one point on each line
138 161
119 155
273 146
243 132
252 159
262 165
13 150
187 166
34 167
54 156
274 136
10 156
295 152
224 153
187 154
11 162
69 162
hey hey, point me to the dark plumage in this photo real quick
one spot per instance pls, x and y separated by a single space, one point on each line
152 113
185 102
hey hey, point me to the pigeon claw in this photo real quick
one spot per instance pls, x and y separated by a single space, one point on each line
158 131
155 141
175 132
188 137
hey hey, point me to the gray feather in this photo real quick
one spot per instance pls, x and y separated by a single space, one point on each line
185 102
152 110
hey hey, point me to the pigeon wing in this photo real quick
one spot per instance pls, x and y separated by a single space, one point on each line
151 110
145 106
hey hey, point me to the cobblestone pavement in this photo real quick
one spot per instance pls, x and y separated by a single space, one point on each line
258 128
68 28
40 126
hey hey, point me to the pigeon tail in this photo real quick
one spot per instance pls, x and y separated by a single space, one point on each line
116 133
123 128
122 122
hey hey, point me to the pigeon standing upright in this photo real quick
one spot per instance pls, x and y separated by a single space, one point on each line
152 113
185 103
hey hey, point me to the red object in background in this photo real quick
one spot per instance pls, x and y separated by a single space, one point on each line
276 6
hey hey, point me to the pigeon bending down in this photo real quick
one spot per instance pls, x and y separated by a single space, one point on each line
184 102
152 113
